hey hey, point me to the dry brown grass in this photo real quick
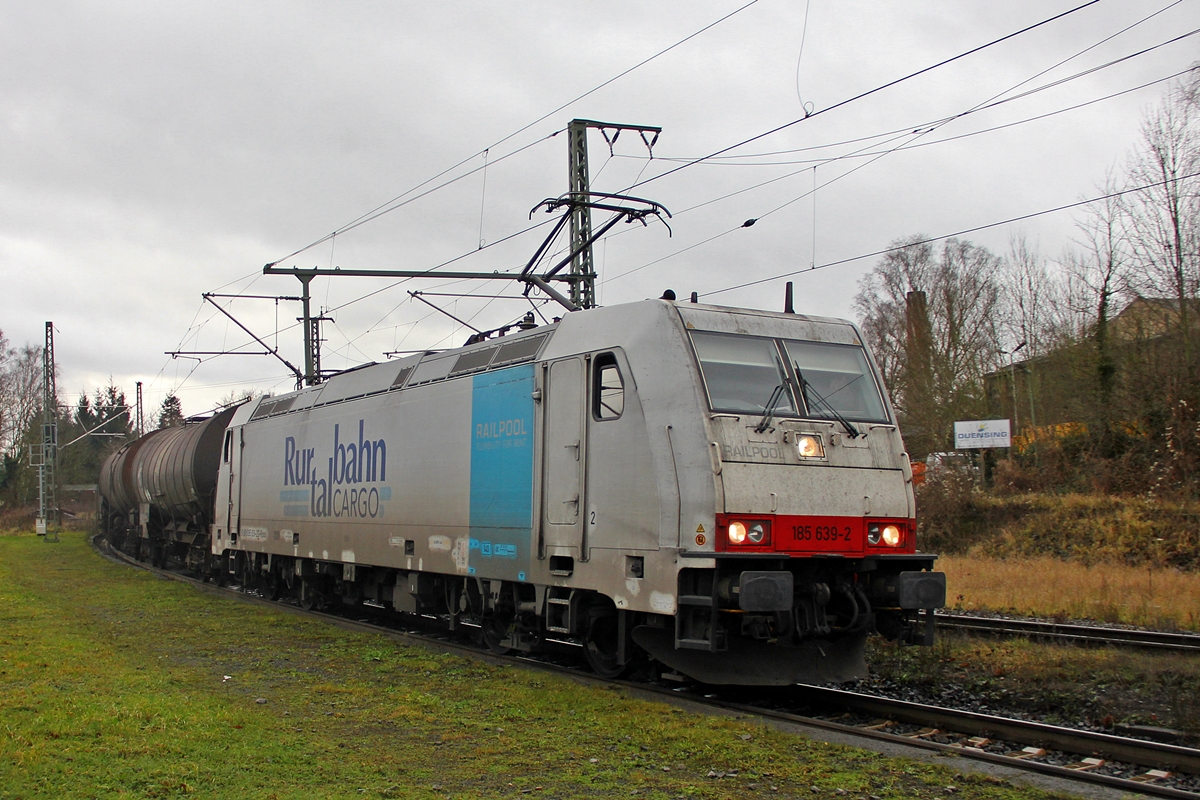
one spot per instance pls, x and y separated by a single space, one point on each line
1047 587
956 518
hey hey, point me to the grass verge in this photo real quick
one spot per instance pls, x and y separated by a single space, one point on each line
114 683
1043 586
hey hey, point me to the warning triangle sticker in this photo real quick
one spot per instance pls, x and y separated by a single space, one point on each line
699 529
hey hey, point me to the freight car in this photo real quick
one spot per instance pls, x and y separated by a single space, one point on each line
721 492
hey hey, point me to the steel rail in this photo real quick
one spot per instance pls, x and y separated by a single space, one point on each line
1073 632
1082 743
1071 740
1125 784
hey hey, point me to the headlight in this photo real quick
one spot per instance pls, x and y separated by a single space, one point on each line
749 532
809 446
887 534
891 535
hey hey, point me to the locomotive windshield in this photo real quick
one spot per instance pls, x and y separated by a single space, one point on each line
835 378
746 374
742 373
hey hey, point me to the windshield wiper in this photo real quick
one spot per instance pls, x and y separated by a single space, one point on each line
807 390
769 410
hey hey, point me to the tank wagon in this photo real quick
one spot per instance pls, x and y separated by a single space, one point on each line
722 491
157 491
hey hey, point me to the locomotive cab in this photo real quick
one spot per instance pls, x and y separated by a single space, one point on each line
813 545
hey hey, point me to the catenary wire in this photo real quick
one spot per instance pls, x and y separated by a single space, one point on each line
937 122
395 204
998 101
925 129
862 95
962 232
810 162
370 294
922 131
388 206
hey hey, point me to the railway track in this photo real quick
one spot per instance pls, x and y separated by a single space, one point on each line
1060 752
1128 764
1071 632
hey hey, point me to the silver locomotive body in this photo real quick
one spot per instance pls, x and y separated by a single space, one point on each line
722 490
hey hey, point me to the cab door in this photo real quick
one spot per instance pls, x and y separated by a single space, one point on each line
563 459
232 455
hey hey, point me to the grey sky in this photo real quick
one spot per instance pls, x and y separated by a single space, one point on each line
151 152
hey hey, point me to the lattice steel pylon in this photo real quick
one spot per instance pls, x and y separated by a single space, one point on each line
583 270
312 335
47 474
141 418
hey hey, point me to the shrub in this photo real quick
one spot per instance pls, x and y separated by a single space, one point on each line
1085 528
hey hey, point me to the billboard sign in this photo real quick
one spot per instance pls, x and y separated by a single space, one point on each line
979 433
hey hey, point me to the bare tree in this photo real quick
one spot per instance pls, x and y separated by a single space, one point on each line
20 393
1036 299
930 318
882 303
1164 219
1103 272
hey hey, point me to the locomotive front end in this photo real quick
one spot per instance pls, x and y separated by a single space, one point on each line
813 546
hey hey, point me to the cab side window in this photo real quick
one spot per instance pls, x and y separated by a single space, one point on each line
608 388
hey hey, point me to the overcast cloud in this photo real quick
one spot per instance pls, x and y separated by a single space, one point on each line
151 152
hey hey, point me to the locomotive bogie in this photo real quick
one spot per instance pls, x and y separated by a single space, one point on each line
723 491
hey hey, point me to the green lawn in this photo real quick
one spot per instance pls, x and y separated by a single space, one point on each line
114 683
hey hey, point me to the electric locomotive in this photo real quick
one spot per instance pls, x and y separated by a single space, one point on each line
721 492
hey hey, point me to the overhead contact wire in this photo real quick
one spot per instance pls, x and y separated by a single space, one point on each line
387 207
962 232
926 128
862 95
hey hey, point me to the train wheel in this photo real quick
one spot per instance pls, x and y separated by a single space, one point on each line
310 598
495 629
601 643
272 586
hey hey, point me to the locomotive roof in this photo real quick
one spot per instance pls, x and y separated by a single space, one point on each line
414 370
516 348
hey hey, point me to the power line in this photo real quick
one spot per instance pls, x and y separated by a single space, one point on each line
1035 118
432 273
360 298
809 162
861 95
387 207
925 129
956 233
394 204
988 105
858 154
918 133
